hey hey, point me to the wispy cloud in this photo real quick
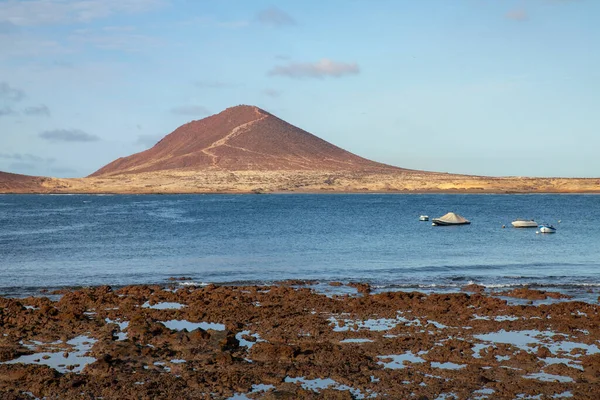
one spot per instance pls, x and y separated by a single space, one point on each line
33 165
192 110
114 39
148 140
9 93
68 135
7 27
50 12
63 170
272 92
41 110
214 84
29 45
276 17
25 162
6 111
320 69
212 22
26 157
517 15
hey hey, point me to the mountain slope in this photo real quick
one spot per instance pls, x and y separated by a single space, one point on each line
242 138
20 183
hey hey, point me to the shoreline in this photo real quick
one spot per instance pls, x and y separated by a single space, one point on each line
585 292
288 341
289 192
259 182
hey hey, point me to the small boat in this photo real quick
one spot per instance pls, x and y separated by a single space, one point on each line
524 223
424 218
450 219
547 229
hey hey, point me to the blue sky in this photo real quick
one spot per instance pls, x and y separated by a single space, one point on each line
488 87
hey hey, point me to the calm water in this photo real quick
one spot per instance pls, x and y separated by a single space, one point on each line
56 241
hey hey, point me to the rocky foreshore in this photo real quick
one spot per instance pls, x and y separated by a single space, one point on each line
290 342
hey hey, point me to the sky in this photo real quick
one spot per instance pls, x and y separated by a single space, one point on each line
486 87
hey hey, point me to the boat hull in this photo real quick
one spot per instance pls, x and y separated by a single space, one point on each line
547 229
524 224
437 222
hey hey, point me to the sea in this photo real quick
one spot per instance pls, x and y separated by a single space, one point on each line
50 242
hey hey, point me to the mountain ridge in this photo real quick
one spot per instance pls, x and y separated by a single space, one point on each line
241 138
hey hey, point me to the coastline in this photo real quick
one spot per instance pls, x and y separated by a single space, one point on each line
260 182
289 341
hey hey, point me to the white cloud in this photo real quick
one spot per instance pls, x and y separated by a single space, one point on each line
51 12
320 69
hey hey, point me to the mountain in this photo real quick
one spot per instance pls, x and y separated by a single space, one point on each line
247 150
20 183
242 138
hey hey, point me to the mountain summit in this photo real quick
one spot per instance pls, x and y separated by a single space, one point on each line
242 138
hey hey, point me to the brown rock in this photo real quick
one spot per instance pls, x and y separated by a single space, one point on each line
473 287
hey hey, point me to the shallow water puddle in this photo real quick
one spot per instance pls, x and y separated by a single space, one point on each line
446 396
165 305
437 324
373 324
501 318
75 360
247 343
498 318
447 365
567 361
563 395
162 365
356 340
397 360
179 325
122 326
257 388
483 394
382 324
528 339
323 383
544 377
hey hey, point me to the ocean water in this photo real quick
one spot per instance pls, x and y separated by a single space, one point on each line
54 241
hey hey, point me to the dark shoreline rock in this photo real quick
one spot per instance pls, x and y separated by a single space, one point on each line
275 335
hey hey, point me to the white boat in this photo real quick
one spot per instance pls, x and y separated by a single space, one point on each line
424 218
547 229
524 223
450 219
